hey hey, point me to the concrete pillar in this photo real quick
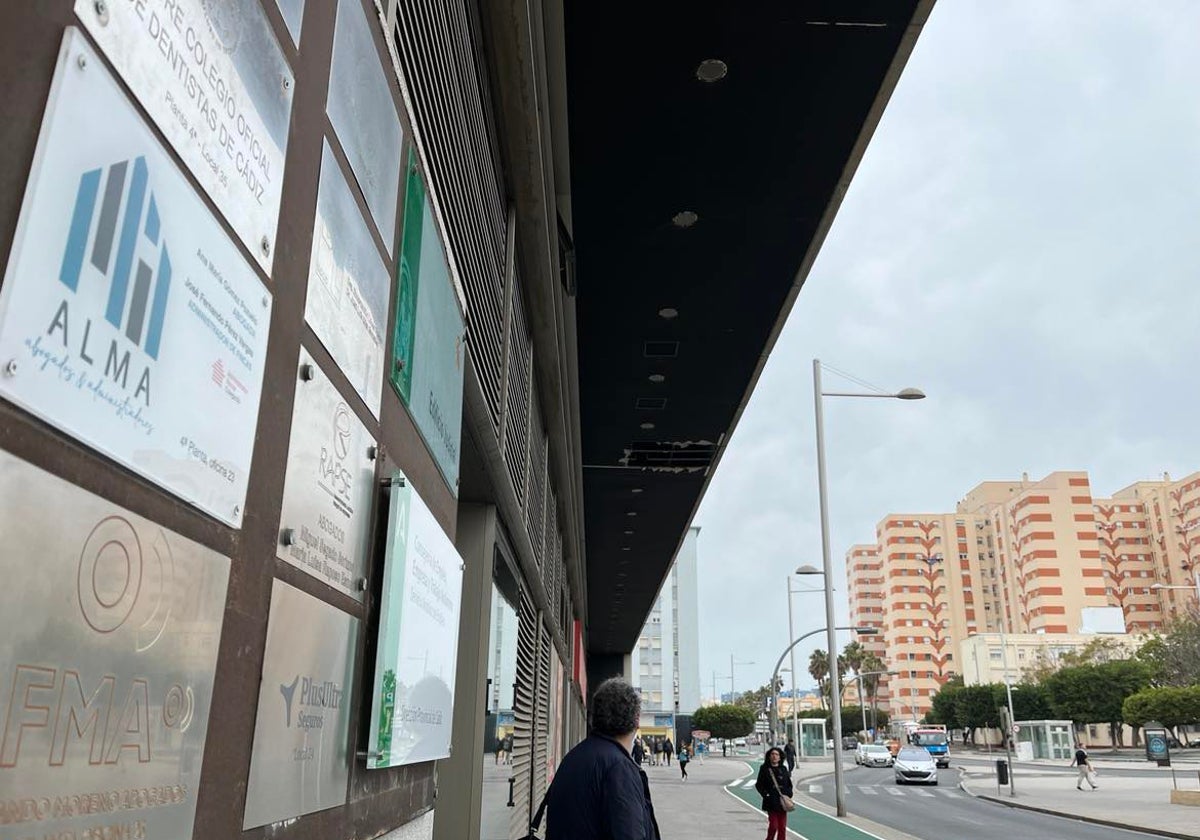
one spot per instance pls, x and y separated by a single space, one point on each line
460 777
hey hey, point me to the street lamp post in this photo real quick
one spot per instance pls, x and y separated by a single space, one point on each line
827 564
732 689
1158 587
862 631
802 570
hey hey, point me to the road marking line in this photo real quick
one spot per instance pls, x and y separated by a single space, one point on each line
895 791
923 793
749 784
869 791
816 788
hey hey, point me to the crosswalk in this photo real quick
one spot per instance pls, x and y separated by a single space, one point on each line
870 790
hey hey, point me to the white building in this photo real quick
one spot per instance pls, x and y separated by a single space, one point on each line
665 665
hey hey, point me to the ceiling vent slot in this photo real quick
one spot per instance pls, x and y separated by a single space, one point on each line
650 403
670 456
661 349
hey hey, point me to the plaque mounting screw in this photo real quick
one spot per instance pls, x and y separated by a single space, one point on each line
10 369
287 83
81 61
266 301
101 11
307 373
399 364
237 511
372 453
266 246
362 584
287 537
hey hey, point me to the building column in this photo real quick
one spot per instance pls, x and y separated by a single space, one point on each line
460 777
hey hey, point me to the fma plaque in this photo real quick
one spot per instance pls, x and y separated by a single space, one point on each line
109 628
301 757
328 487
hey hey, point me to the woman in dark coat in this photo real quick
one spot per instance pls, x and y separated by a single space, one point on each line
774 765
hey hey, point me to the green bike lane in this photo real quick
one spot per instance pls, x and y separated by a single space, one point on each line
804 820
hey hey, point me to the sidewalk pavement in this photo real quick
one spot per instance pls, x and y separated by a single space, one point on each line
1140 804
701 808
1100 760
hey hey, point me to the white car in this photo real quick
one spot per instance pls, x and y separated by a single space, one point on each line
915 764
873 755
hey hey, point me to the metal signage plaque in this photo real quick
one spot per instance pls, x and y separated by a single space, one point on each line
111 626
363 114
300 761
214 80
429 342
412 706
128 318
347 285
329 485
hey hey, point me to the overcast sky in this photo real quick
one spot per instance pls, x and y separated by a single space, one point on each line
1021 242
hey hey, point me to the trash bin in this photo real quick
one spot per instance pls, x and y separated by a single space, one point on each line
1001 772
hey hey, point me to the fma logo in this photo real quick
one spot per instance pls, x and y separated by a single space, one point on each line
115 239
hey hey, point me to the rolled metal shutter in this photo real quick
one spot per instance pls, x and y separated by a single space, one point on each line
524 702
541 736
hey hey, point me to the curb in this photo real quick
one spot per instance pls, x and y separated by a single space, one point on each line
1142 829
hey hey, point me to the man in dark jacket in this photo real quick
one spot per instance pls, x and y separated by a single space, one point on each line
599 793
789 754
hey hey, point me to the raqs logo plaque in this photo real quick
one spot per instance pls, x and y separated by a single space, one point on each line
109 629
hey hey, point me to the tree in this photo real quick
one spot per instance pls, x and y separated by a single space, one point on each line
873 665
975 707
1172 706
1096 693
1174 657
725 721
944 708
757 700
818 669
1097 651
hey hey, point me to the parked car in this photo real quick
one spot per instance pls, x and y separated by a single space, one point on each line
740 742
849 742
915 764
1194 743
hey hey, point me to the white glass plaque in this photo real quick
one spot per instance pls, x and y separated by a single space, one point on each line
412 706
329 485
347 285
215 82
128 318
363 113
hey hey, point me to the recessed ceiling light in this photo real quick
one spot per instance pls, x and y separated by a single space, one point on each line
628 533
657 377
625 548
712 70
647 426
668 312
636 490
684 219
631 513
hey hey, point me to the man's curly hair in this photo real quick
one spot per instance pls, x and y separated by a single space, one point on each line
616 708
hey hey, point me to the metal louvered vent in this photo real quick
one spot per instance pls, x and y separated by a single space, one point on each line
535 509
516 423
670 456
541 738
524 700
441 55
550 567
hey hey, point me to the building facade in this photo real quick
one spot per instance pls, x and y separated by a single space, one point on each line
665 664
1044 557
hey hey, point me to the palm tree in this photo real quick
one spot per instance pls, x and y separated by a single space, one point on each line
818 669
872 664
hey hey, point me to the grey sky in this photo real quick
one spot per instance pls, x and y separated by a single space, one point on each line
1020 242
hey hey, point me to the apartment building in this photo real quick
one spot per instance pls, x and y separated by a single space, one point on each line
665 664
1044 557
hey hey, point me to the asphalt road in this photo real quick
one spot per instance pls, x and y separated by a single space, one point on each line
938 813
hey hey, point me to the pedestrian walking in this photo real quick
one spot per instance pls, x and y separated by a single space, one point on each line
1086 772
500 752
620 807
668 750
684 758
639 751
789 753
658 751
774 785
